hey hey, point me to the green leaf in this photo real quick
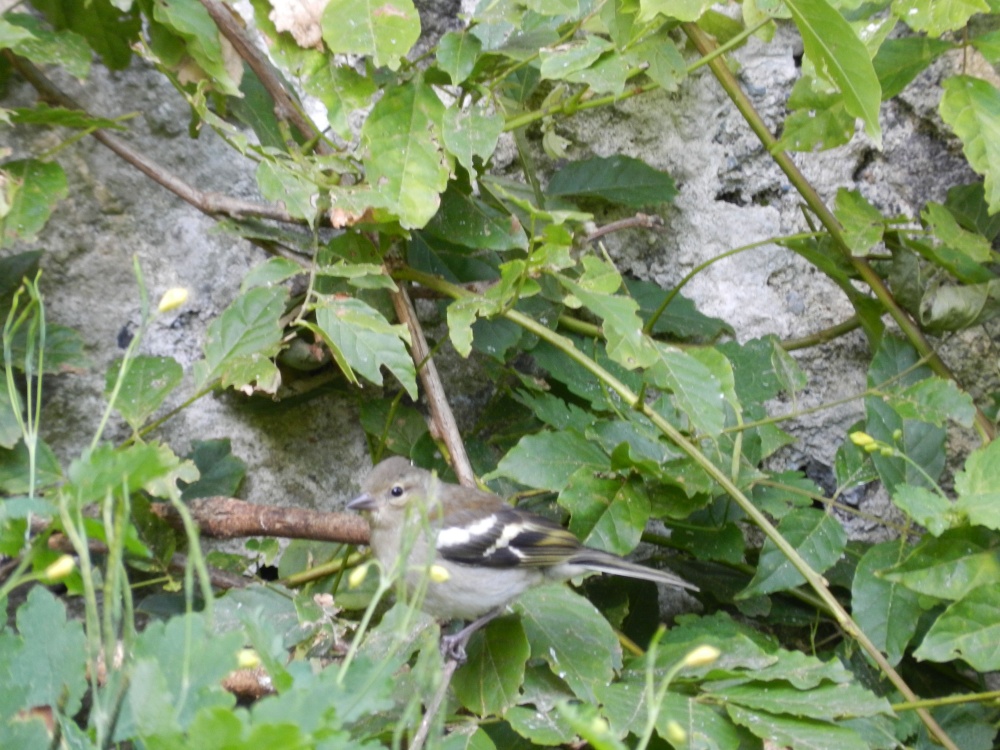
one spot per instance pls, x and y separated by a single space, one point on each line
49 667
490 681
626 343
541 727
834 47
886 610
681 319
723 543
818 118
819 539
934 400
33 189
554 7
15 472
190 20
616 179
606 76
788 731
109 31
559 62
42 114
342 90
10 430
937 17
271 272
383 29
148 381
969 630
899 61
788 372
666 65
141 466
950 566
64 349
547 460
241 341
466 220
972 246
951 307
863 223
66 49
978 487
165 693
362 340
471 132
682 10
404 159
457 53
696 391
609 514
567 632
896 361
971 107
967 204
221 472
282 181
825 702
935 513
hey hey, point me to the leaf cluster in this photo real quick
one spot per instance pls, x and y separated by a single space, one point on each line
615 403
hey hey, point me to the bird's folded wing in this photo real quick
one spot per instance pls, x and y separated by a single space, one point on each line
504 538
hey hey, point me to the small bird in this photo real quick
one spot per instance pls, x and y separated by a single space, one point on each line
481 552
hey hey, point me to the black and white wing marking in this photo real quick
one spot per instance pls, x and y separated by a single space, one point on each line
505 538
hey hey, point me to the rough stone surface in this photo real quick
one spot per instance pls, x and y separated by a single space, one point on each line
314 453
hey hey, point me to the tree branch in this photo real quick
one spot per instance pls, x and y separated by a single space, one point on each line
226 518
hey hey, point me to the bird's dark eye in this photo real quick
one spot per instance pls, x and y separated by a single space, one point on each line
396 491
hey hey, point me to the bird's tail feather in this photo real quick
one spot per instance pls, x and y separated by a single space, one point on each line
605 562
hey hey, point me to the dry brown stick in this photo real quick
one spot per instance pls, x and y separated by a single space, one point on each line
213 204
286 107
639 221
227 517
441 414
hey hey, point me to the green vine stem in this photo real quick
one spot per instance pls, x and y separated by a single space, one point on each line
630 399
783 159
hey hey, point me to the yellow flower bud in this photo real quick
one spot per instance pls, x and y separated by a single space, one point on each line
888 451
172 299
357 576
248 659
439 574
897 435
675 733
59 569
872 447
701 656
862 439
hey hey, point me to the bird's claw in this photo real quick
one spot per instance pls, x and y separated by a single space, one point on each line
453 648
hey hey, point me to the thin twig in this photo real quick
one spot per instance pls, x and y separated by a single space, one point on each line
213 204
441 414
432 707
639 221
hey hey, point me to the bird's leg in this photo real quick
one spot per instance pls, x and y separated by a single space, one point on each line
453 646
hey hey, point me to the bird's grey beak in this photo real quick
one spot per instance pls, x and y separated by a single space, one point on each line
362 502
